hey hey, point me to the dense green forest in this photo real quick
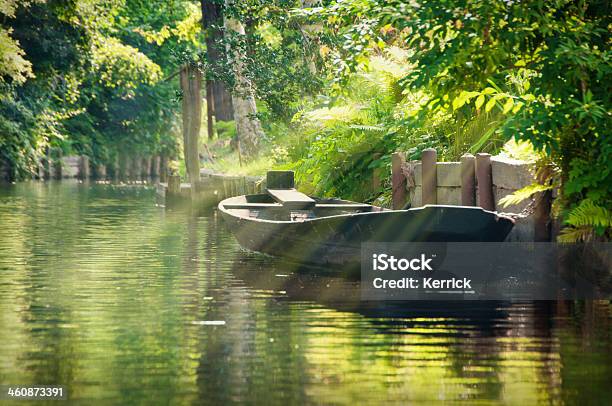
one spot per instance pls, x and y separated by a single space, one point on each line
328 88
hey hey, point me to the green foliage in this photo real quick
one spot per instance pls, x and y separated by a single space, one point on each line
122 67
541 68
523 194
98 88
586 222
339 147
13 65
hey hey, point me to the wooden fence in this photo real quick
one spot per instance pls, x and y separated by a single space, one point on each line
480 180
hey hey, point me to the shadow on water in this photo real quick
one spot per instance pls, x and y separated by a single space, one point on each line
333 289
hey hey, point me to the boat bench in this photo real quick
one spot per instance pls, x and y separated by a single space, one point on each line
331 206
292 199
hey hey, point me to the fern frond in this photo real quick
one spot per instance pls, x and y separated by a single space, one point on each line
375 128
588 214
328 117
570 234
523 193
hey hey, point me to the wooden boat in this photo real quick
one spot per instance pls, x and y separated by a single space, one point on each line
284 222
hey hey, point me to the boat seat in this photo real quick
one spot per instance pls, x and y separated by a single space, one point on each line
229 206
292 199
346 206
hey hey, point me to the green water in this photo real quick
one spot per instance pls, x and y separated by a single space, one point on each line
124 302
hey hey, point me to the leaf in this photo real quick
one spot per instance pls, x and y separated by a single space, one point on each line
517 107
480 101
589 214
571 234
523 193
508 106
490 104
489 90
459 101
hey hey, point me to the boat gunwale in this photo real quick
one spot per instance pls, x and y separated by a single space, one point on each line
221 207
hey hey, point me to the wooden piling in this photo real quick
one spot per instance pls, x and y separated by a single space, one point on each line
174 185
468 180
57 165
155 166
376 174
280 179
429 175
542 219
163 168
484 178
100 171
398 180
136 172
146 167
83 167
48 164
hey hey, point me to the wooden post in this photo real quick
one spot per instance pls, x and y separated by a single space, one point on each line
542 221
115 167
155 166
146 167
174 185
191 80
136 171
398 180
280 180
163 168
484 178
376 178
468 181
124 170
429 176
83 167
100 171
57 165
48 164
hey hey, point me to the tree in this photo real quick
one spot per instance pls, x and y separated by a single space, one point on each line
191 79
248 127
219 101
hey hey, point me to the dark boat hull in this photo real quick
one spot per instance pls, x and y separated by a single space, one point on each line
336 240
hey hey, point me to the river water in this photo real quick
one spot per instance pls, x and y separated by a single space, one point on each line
125 302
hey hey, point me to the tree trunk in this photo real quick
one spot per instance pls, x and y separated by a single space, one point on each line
210 110
248 127
212 20
192 116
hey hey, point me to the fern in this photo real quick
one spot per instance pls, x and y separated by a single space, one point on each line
585 221
375 128
523 193
589 214
570 234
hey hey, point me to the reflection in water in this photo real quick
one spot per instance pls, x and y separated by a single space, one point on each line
125 302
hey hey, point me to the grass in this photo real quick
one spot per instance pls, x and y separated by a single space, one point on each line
225 159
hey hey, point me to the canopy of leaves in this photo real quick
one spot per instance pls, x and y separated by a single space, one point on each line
542 67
